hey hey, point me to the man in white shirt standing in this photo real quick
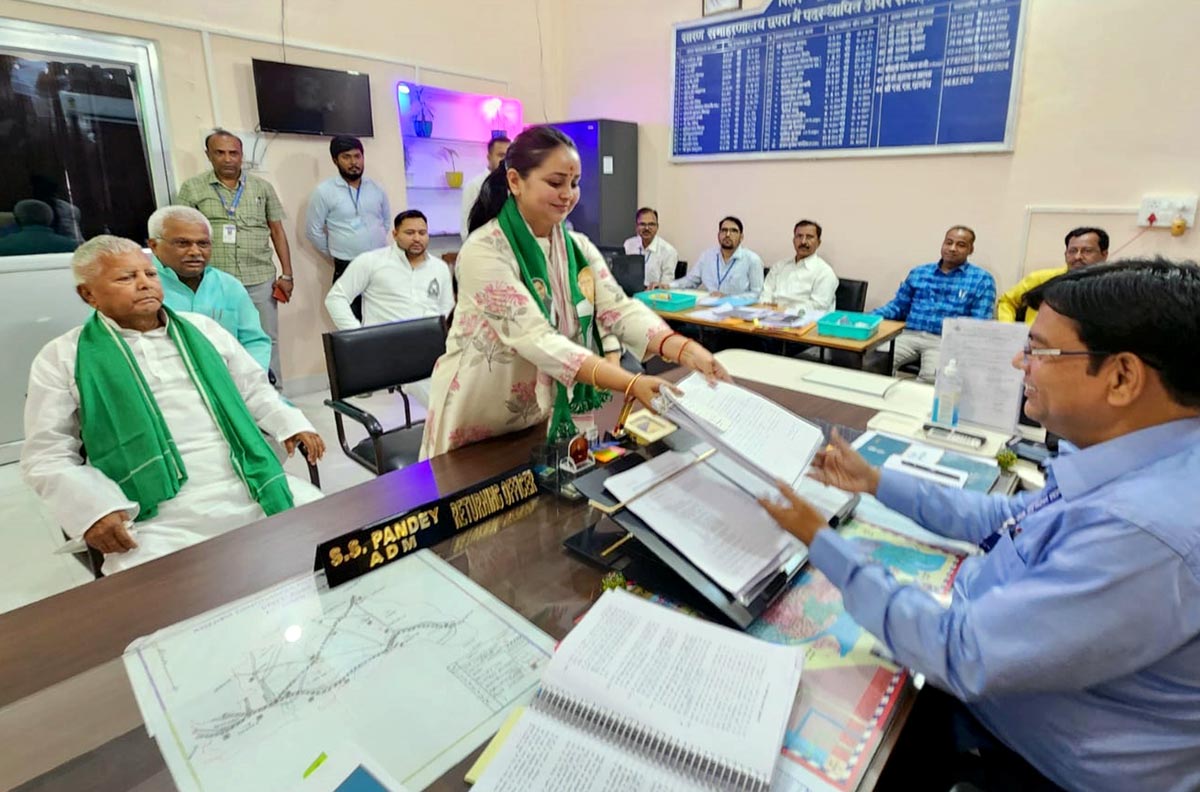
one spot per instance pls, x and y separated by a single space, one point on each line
400 281
661 257
726 270
497 147
805 282
348 214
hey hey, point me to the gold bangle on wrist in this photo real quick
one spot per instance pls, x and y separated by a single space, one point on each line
629 387
595 366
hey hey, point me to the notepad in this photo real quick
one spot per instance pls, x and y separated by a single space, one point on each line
640 696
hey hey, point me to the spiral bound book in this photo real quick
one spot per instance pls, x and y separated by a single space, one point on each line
640 696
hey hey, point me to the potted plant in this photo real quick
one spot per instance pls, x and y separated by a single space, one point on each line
454 177
423 123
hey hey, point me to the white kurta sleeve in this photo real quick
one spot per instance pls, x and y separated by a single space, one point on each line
354 281
272 414
770 283
76 493
824 293
618 313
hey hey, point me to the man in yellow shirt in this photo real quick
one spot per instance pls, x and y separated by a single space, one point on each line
1084 246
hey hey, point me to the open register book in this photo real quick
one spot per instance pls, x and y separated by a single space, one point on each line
639 696
709 510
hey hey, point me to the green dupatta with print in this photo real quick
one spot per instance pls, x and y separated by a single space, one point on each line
584 397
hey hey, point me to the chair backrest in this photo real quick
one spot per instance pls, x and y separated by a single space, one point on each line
382 356
680 269
851 295
630 272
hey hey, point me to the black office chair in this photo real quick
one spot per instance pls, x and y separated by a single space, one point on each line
680 269
379 357
851 295
630 272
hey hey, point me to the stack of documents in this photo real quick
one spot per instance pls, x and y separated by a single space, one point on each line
709 510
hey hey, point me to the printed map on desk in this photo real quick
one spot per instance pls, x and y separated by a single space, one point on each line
413 663
847 691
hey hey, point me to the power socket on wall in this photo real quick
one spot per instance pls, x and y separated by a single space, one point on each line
1166 209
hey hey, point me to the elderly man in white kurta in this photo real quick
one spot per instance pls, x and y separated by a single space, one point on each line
806 282
400 281
152 420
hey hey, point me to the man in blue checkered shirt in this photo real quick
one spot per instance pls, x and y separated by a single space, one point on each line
947 288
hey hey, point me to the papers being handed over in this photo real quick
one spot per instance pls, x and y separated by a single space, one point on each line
709 511
639 696
755 432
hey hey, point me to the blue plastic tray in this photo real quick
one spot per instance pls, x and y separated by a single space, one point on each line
848 324
663 300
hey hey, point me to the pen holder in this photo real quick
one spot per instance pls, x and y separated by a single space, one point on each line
555 467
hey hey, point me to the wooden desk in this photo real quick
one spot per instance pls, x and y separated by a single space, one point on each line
807 335
68 719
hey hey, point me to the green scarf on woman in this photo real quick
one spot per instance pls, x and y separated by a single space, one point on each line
127 438
532 261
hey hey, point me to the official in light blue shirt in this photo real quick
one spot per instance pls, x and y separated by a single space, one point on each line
728 269
181 240
1075 639
348 214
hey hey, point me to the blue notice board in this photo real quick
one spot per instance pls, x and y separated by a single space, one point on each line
848 78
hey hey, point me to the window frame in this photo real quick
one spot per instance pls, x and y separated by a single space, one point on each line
141 55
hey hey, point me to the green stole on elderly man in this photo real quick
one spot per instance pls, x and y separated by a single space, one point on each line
126 437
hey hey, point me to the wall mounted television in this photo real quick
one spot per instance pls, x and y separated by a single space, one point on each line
309 101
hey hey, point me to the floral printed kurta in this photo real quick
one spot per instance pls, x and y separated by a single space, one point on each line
503 358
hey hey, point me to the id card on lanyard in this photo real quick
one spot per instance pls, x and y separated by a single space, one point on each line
229 230
355 196
1012 526
721 278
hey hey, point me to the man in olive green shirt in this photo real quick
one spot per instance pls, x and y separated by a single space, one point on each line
1084 246
247 219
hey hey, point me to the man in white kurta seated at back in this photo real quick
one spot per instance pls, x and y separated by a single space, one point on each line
152 419
400 281
805 282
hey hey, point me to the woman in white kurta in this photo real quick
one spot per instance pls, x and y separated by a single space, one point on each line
510 350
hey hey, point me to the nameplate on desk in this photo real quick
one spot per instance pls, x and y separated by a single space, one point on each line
364 549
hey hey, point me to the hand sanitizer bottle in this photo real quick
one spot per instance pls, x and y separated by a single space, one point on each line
946 394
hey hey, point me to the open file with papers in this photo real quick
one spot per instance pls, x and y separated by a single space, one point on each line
696 509
639 696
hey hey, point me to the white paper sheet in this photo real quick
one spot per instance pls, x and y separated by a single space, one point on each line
984 351
756 431
711 521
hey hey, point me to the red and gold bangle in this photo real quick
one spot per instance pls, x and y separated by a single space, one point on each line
679 357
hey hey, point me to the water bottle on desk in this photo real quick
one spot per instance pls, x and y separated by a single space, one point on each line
947 392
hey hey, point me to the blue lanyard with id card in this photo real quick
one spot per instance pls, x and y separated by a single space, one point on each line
229 230
721 278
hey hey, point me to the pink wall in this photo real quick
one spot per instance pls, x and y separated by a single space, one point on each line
1109 110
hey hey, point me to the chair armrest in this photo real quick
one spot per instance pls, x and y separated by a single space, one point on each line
362 416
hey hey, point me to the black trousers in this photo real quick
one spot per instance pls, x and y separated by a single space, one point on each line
943 744
339 266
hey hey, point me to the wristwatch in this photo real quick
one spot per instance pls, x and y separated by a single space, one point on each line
286 277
